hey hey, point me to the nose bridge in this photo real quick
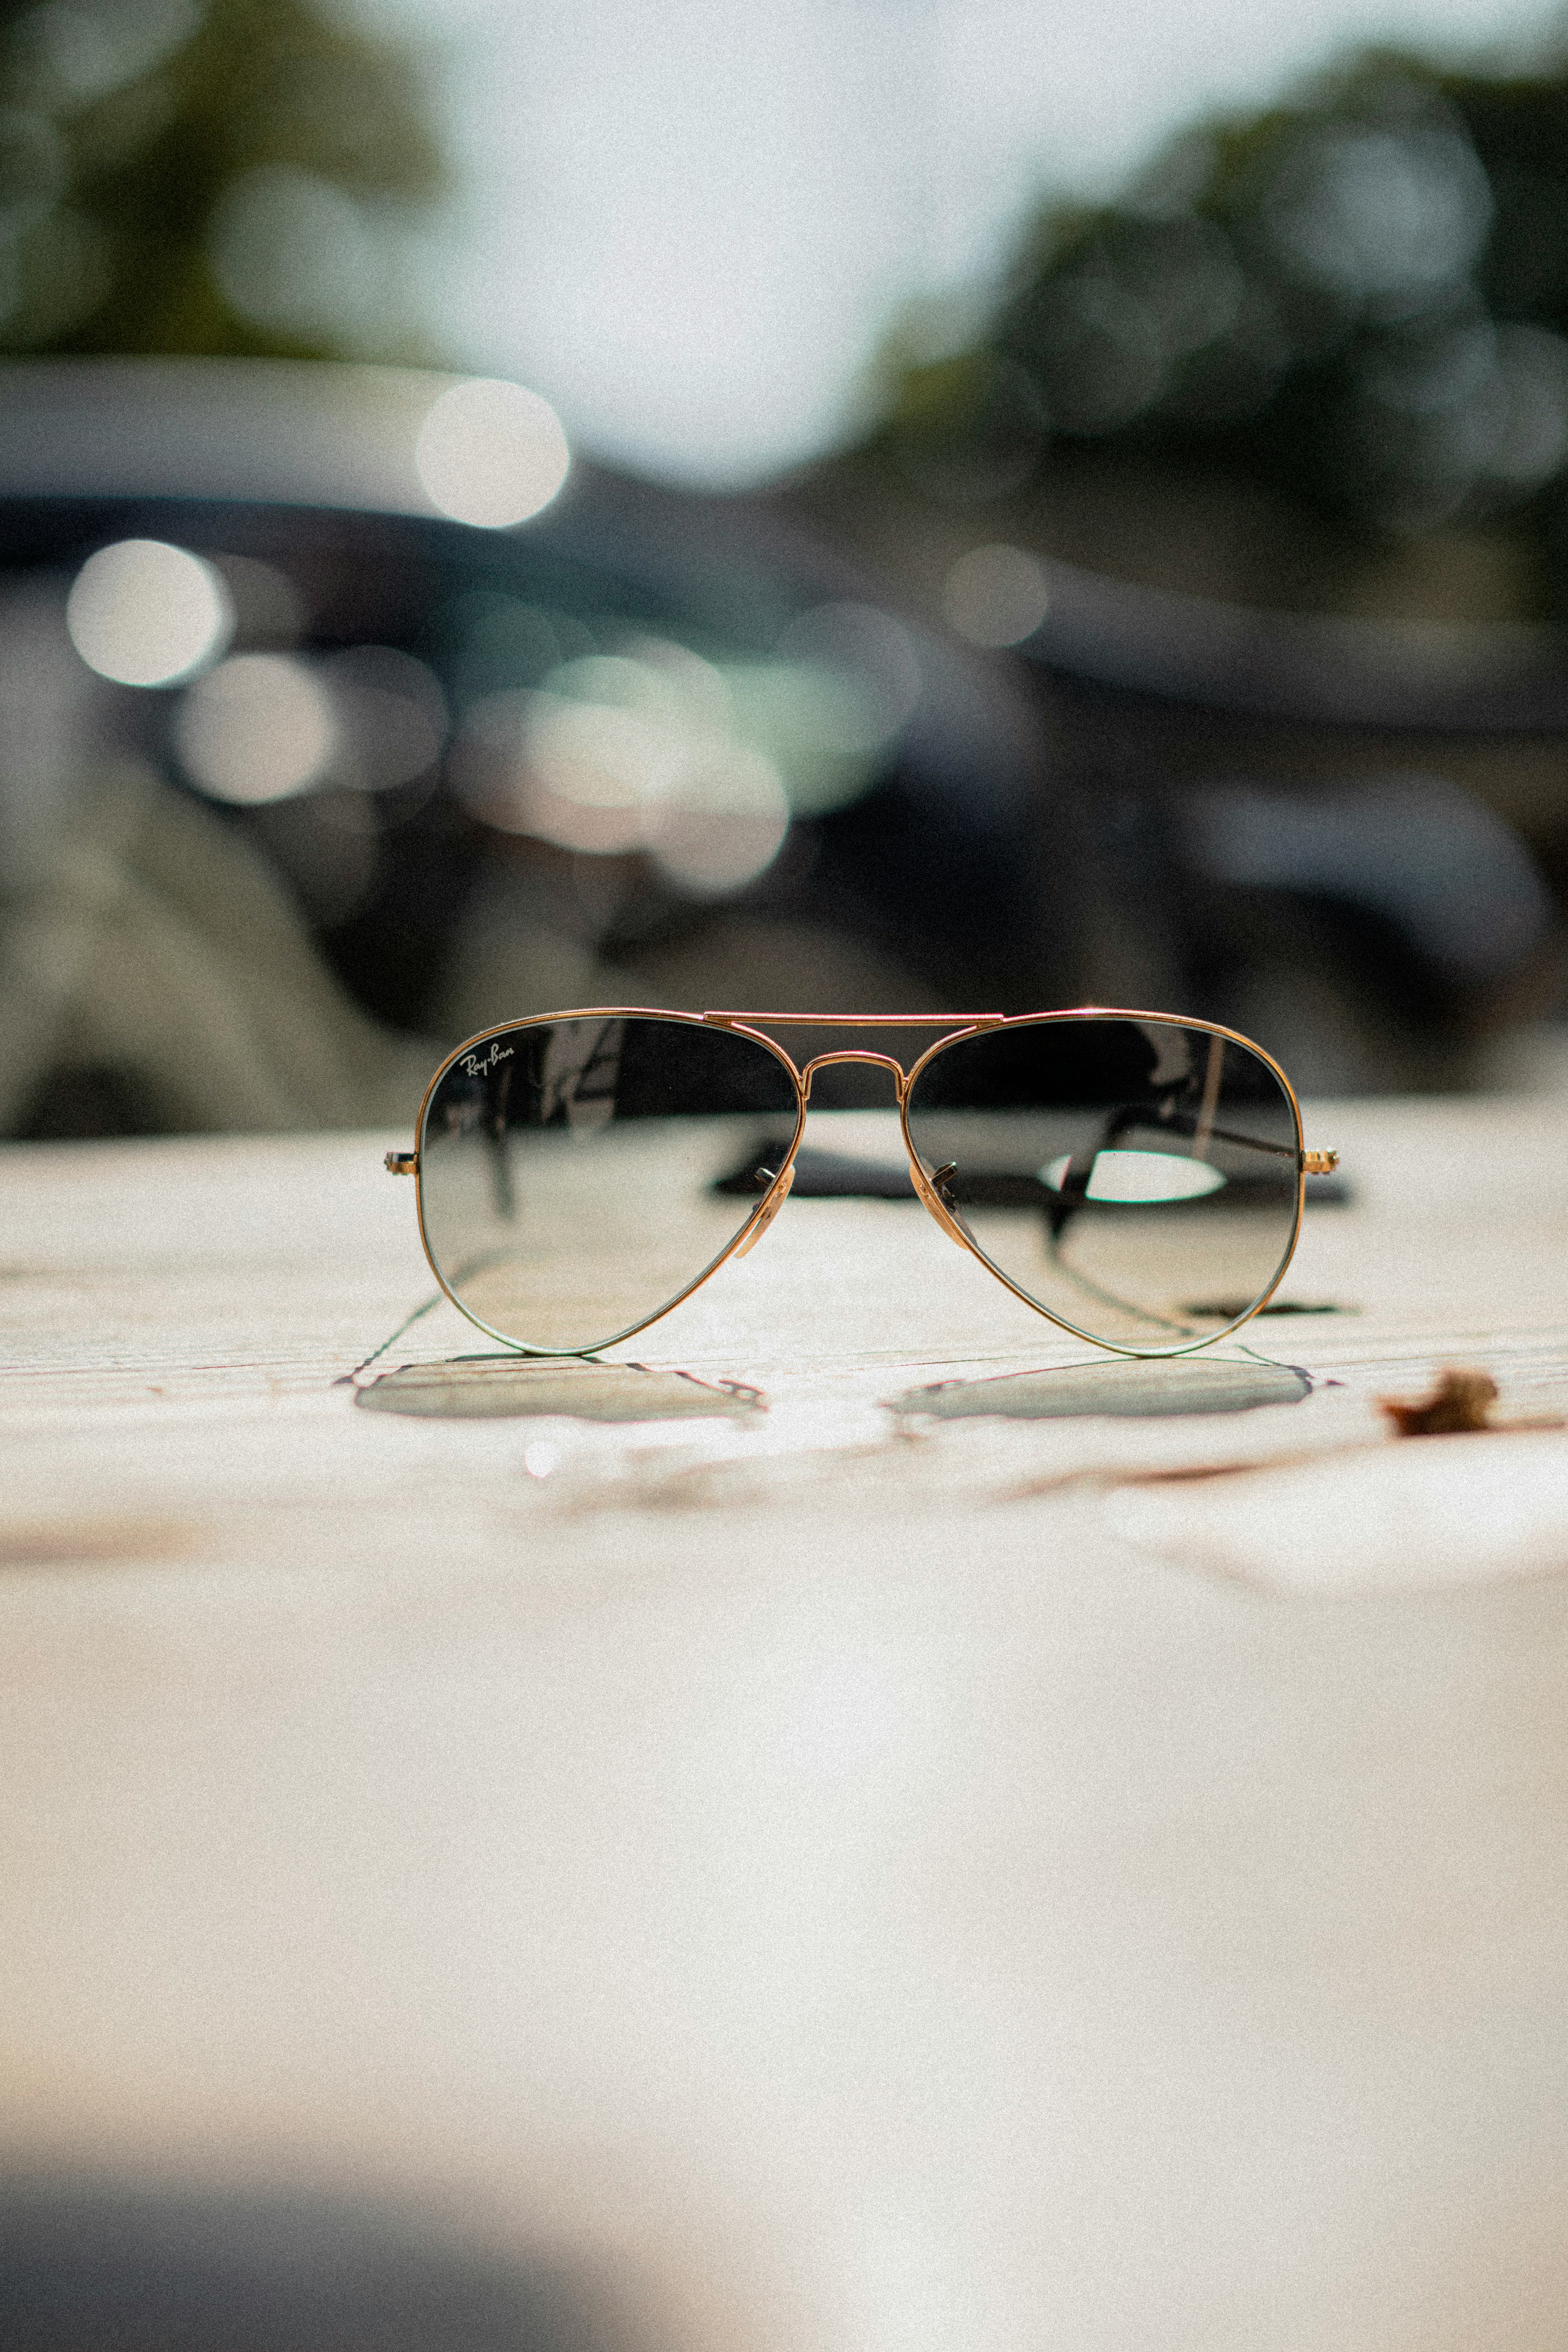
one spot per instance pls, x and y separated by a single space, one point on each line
880 1061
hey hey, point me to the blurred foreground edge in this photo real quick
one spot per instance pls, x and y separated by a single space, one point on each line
87 2267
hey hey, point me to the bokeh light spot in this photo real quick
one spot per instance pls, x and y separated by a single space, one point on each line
1366 212
35 169
628 752
721 822
390 715
81 53
996 595
491 453
594 766
295 254
866 666
256 728
146 613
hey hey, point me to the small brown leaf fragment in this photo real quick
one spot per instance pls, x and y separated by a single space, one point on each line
1462 1399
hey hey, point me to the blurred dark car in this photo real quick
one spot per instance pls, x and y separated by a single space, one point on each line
1344 832
326 732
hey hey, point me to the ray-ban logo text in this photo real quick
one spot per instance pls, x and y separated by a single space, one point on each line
480 1065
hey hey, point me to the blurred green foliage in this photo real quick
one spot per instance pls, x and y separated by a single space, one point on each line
207 176
1358 298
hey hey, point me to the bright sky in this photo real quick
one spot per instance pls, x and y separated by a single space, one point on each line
691 223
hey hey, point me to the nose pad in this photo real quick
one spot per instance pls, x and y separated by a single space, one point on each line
931 1198
766 1213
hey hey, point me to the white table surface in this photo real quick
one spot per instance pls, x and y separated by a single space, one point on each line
854 1880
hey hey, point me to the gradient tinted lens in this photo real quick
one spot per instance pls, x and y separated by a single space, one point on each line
1137 1179
567 1168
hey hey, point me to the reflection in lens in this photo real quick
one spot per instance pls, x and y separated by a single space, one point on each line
1118 1171
567 1169
1136 1176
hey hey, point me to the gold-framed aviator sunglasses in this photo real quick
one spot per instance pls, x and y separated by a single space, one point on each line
1134 1177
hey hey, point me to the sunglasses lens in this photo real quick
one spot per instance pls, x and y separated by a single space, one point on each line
1135 1178
567 1169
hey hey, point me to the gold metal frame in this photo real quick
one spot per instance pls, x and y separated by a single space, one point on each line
954 1027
